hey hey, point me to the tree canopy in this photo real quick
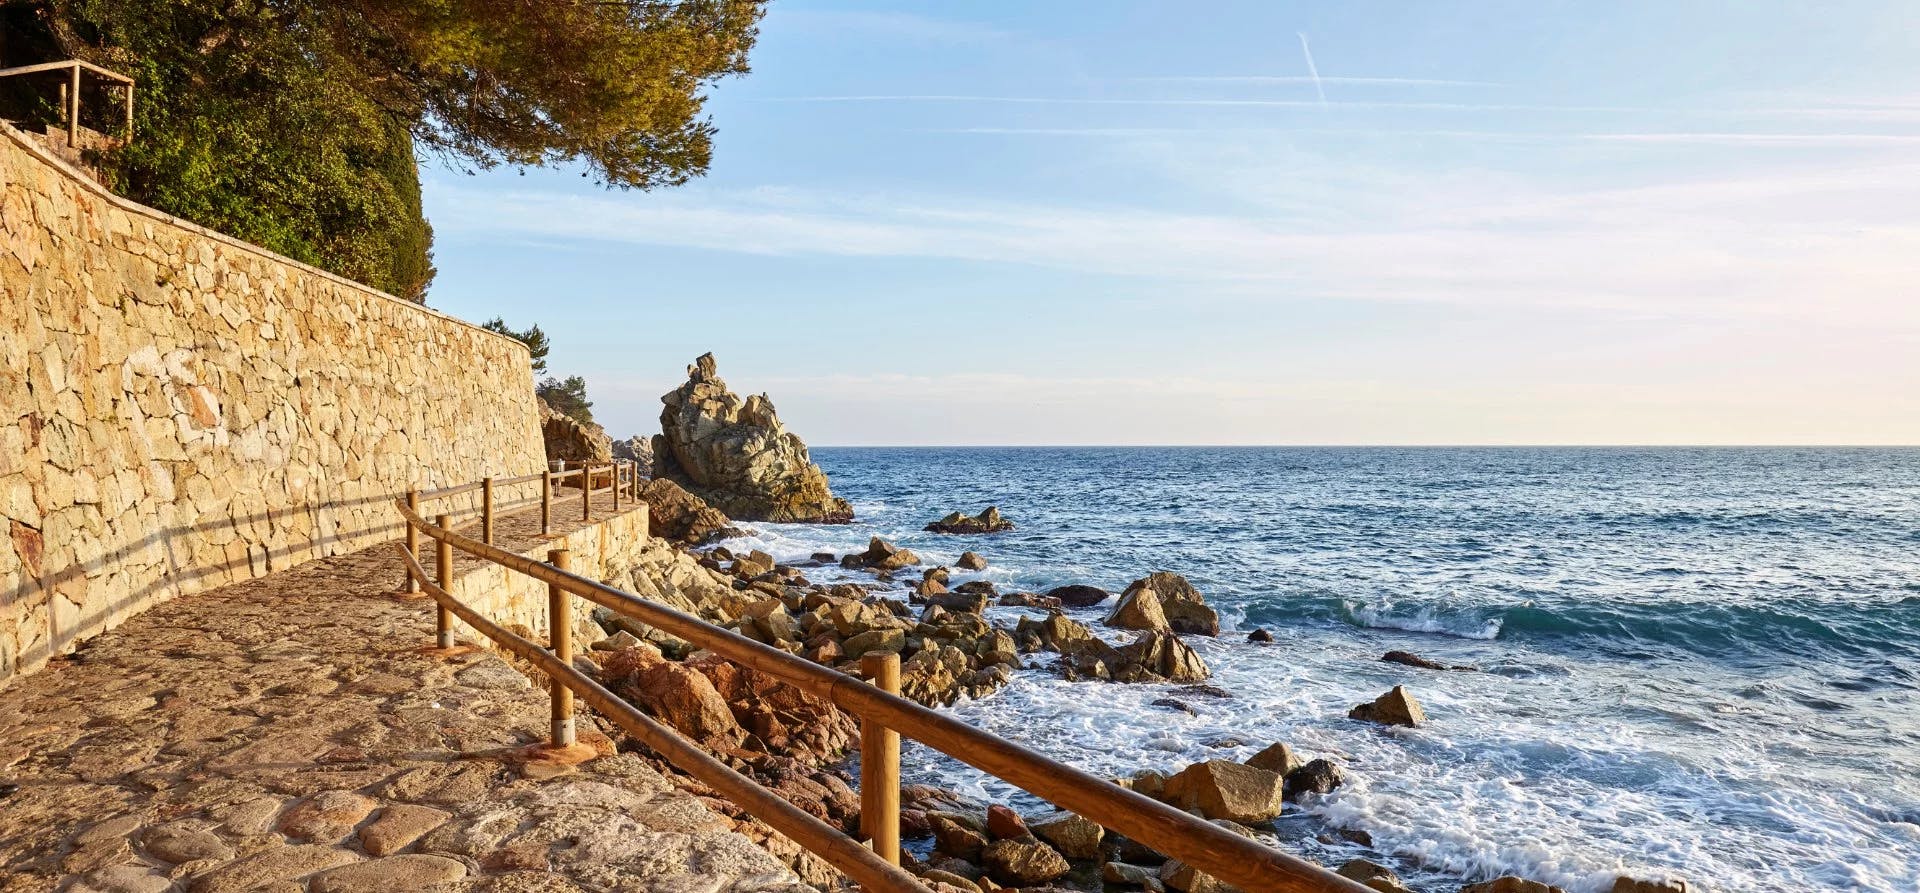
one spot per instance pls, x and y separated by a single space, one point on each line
569 397
294 123
533 338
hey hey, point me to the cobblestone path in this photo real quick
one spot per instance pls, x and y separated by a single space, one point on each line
285 734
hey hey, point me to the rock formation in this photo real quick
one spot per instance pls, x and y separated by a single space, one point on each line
988 521
674 513
572 441
1395 708
1078 596
637 449
1185 608
735 454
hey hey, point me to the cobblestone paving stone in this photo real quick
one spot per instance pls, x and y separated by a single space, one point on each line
287 734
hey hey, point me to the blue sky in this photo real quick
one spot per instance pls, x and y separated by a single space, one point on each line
1113 222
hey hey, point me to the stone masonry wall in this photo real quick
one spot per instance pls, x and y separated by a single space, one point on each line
180 410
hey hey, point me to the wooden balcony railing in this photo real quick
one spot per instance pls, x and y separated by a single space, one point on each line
883 714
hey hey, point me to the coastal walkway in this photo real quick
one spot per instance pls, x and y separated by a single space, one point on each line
289 734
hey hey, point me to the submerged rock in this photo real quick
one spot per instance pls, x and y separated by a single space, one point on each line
1395 708
1372 875
1078 596
1510 884
736 455
1624 884
1317 777
971 561
1185 608
988 521
1260 635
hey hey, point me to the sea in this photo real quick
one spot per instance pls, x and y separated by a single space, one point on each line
1701 663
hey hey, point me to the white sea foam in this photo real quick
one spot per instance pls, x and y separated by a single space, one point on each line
1464 624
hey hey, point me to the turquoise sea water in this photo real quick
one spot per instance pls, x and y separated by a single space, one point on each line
1696 661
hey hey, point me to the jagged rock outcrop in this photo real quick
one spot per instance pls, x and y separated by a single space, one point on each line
735 454
1184 607
988 521
570 440
637 449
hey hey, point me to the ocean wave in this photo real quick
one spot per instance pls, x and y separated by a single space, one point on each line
1460 624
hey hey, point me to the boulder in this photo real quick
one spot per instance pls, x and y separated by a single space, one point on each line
1187 879
881 556
1132 875
1222 789
1139 609
1078 596
989 521
675 514
1185 607
957 835
1260 636
1395 708
1277 758
1372 875
1158 657
1316 777
1076 837
1510 884
1023 862
1003 823
572 441
971 561
735 454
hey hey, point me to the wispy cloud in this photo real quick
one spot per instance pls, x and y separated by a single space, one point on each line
1819 244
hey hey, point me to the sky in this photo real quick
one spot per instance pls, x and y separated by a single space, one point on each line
1257 223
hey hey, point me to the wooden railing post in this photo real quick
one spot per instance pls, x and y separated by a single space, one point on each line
486 510
616 486
73 114
546 502
586 491
880 765
443 560
560 636
413 537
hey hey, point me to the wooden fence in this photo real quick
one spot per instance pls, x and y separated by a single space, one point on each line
884 717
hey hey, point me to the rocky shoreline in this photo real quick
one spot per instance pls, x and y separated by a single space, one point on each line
716 452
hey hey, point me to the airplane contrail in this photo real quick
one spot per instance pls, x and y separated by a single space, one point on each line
1312 70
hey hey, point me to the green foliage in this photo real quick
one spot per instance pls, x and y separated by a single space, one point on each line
533 338
568 397
292 123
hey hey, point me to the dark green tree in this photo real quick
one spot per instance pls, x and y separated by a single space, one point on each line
294 123
569 397
533 338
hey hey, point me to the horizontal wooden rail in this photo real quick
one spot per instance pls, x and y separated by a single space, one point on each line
1209 848
863 865
67 63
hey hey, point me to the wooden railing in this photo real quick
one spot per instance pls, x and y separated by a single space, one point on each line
883 714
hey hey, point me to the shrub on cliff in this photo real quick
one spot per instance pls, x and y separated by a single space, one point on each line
293 123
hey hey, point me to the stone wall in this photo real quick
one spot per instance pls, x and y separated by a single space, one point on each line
180 410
